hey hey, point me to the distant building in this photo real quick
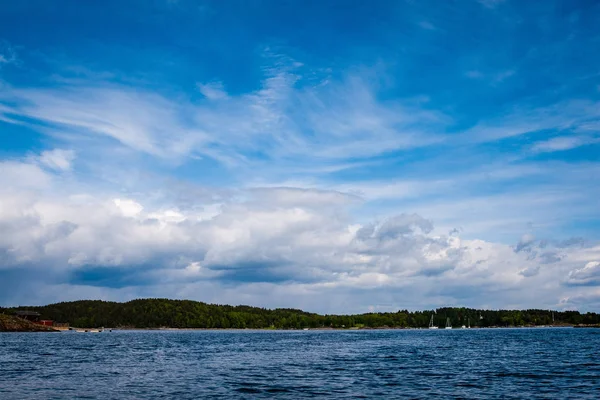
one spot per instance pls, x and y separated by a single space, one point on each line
46 322
28 315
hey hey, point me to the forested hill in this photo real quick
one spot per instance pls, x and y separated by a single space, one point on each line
155 313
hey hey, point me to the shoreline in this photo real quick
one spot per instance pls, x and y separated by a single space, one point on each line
109 330
169 329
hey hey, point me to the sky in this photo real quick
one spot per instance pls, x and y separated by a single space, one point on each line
334 156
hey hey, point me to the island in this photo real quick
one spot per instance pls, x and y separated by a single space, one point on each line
187 314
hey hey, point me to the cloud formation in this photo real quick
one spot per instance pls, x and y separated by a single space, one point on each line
279 121
305 240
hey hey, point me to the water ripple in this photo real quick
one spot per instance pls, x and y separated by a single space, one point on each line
474 364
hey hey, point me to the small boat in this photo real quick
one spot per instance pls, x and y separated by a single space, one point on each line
448 325
431 326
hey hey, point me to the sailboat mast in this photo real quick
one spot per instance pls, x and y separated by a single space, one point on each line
431 325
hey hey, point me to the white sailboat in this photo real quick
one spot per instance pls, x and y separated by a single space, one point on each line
448 325
431 326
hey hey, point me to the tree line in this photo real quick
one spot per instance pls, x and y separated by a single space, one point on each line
157 313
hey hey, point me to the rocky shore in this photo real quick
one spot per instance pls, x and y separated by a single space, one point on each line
9 323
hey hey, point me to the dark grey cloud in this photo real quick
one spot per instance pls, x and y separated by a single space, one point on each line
550 257
531 271
525 244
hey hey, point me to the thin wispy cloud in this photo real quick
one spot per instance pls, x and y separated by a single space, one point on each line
57 159
491 3
212 90
492 78
8 54
427 25
341 120
563 143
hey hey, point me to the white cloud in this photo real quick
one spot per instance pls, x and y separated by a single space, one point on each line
129 208
300 242
57 159
143 121
15 174
569 114
285 120
588 275
562 143
302 245
213 90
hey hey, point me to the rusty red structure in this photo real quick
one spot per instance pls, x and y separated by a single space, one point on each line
34 317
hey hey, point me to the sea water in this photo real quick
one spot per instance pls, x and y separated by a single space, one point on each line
556 363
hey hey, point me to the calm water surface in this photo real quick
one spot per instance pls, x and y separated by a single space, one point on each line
476 363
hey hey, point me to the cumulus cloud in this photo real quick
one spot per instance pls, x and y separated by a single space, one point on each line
531 271
301 242
23 175
589 275
129 208
525 243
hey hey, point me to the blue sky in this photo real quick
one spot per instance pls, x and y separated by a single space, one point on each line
335 156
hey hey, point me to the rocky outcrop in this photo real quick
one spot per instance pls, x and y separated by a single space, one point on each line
9 323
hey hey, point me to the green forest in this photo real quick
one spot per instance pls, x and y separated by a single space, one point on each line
158 313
